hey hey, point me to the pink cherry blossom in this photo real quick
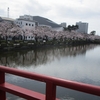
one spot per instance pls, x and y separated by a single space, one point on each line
11 29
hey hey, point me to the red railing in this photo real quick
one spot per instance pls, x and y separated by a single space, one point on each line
51 83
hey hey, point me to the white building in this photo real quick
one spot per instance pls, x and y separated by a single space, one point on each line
57 29
27 17
83 27
7 19
63 24
46 22
25 21
29 22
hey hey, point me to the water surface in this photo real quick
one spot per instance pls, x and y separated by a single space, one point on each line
77 63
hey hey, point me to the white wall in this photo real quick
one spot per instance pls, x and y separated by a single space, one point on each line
24 23
27 17
63 24
29 38
83 27
58 29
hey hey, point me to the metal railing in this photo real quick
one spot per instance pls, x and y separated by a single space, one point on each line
51 83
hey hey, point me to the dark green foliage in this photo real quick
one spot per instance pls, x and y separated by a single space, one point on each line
69 28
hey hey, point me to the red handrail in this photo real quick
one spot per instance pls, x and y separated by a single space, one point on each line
51 83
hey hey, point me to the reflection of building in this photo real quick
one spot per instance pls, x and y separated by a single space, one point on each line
43 56
83 27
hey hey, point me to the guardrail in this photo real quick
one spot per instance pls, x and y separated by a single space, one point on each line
51 83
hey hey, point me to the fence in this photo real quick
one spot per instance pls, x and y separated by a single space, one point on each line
51 83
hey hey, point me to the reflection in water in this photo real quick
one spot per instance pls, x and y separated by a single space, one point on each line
78 63
42 56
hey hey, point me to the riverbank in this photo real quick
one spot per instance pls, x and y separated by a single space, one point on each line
23 44
13 37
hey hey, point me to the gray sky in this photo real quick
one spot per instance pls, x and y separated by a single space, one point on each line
69 11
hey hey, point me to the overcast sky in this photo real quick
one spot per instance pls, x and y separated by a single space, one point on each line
69 11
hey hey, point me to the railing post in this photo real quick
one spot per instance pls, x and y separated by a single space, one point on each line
2 80
50 91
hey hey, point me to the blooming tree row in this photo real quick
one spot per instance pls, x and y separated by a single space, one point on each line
10 29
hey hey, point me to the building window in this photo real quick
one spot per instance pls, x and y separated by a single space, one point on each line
29 24
32 25
26 24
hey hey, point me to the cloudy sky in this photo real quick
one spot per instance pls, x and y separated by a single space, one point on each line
69 11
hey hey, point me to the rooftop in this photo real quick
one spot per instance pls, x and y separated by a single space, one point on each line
45 21
6 19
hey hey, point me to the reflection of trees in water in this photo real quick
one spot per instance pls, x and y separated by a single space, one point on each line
41 56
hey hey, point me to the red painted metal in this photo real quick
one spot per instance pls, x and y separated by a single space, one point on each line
2 80
50 91
2 77
52 82
22 92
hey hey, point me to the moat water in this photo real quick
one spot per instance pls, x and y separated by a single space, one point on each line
77 63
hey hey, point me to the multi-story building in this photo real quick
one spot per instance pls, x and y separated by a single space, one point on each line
32 21
25 21
63 24
46 22
82 27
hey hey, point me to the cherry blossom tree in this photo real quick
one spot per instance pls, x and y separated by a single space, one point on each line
41 33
